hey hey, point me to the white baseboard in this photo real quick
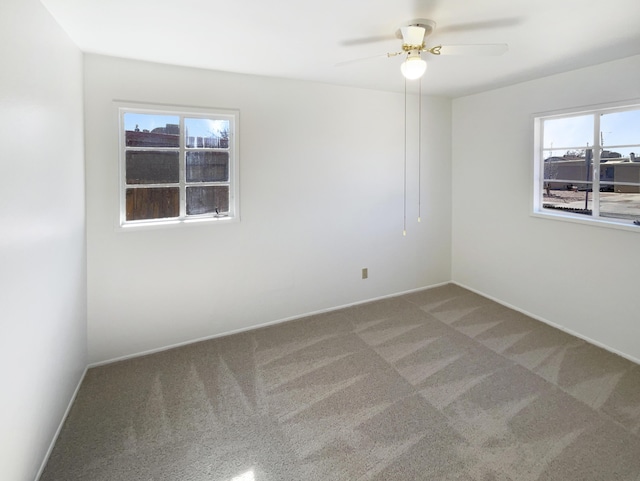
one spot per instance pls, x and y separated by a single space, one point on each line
258 326
552 324
64 418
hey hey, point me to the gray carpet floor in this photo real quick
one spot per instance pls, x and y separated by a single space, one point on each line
441 384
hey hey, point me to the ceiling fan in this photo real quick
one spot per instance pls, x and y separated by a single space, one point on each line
414 36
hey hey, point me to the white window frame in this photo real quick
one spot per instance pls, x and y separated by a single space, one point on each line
539 155
232 116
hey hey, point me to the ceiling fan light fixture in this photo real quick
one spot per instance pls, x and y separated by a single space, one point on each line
414 67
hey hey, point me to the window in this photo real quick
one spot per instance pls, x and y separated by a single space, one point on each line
177 166
587 165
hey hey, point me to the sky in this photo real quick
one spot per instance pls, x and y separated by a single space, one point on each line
576 133
197 127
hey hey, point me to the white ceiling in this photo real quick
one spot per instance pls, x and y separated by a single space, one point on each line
305 40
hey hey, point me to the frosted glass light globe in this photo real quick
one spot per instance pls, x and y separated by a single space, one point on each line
413 68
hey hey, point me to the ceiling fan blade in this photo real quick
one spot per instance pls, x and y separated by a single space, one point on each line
366 40
484 25
364 59
486 49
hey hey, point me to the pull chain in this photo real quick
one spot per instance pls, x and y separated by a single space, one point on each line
404 221
419 149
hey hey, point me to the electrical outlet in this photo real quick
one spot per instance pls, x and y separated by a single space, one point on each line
365 273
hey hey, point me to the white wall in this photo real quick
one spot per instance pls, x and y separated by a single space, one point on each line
42 238
580 277
321 175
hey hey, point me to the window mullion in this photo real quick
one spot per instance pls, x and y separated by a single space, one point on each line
597 148
183 168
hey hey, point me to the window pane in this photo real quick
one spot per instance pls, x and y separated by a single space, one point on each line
207 166
205 200
569 171
622 203
152 203
621 154
620 128
152 167
569 132
567 183
575 201
145 130
616 171
206 133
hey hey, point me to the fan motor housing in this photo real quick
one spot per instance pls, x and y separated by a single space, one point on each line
428 25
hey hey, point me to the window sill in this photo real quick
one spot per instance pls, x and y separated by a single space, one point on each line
172 224
581 219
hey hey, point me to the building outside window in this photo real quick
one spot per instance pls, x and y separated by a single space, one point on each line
587 165
177 166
